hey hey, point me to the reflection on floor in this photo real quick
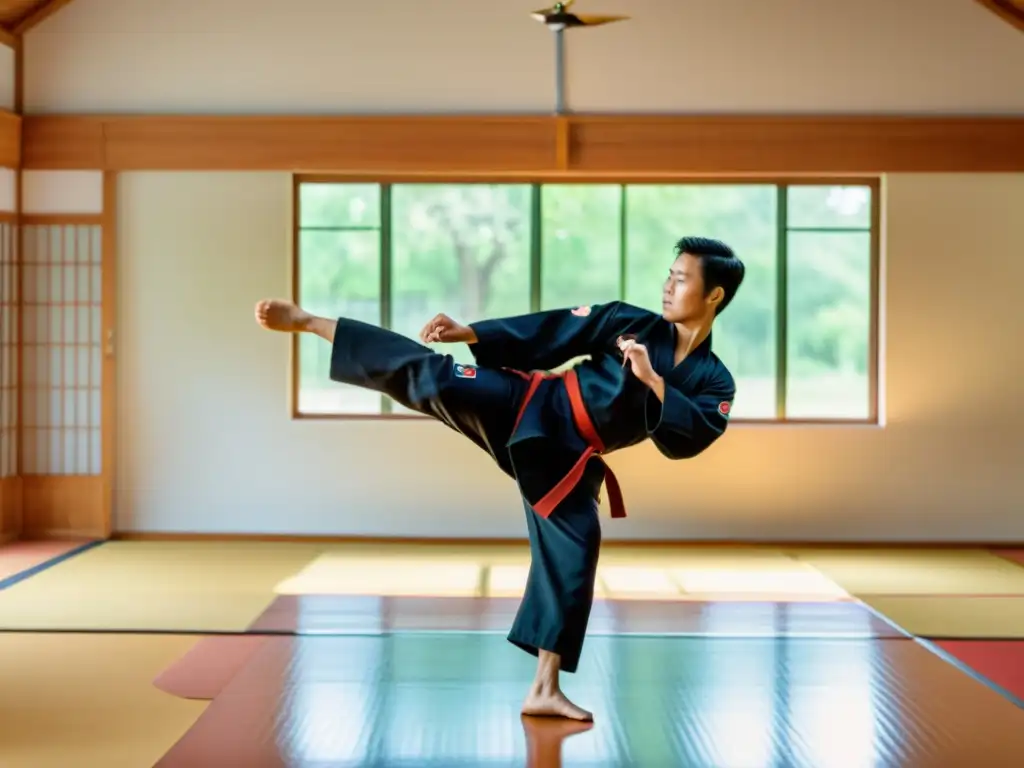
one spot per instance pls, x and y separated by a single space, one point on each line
430 700
348 655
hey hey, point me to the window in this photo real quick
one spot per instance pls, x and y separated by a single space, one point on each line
799 338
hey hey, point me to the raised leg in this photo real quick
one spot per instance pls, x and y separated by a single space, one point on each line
553 616
479 403
277 315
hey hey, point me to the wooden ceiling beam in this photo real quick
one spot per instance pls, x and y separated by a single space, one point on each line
8 38
1006 10
39 15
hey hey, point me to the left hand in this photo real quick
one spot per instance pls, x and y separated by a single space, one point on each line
635 354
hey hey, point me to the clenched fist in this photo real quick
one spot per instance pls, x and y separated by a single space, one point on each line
635 355
443 328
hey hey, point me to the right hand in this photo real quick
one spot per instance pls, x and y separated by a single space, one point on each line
443 328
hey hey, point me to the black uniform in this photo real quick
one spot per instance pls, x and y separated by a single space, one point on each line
538 443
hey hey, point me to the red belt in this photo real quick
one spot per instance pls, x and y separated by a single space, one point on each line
595 447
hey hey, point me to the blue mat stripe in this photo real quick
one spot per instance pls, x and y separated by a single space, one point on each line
17 578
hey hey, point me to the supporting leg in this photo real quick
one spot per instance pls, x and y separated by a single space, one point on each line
553 617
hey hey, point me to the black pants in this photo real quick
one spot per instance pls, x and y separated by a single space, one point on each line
482 404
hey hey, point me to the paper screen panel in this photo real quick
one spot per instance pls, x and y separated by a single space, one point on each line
61 349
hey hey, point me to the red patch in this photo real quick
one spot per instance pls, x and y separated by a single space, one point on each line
724 407
581 311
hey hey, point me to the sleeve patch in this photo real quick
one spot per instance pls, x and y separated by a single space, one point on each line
724 408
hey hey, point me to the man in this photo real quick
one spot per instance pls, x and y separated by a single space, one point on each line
648 376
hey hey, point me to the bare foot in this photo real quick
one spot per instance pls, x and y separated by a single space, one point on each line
277 315
553 703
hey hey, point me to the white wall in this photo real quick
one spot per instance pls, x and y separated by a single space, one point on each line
205 440
335 56
206 443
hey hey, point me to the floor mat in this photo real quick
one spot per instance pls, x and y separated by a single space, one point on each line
865 571
1013 555
208 666
953 617
343 574
454 700
20 558
88 700
154 586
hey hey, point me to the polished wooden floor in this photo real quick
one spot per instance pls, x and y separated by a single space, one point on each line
244 655
424 699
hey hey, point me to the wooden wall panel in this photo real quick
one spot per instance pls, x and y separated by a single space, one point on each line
10 139
62 143
10 509
783 145
623 144
61 506
290 143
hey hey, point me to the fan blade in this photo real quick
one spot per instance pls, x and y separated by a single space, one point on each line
593 21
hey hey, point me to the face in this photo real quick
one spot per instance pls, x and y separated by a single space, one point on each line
682 298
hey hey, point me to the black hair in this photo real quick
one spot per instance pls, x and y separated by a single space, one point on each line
721 267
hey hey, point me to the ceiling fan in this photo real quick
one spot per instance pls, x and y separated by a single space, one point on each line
557 18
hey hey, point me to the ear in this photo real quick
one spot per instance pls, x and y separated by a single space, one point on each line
716 296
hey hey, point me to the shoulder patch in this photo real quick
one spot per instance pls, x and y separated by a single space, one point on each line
583 311
724 408
465 371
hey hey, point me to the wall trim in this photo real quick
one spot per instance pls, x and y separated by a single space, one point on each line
538 146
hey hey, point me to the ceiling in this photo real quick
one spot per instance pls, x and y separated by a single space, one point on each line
1010 11
18 16
13 11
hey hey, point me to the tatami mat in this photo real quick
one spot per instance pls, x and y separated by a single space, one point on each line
338 574
20 557
510 581
1013 555
917 572
225 586
162 586
953 616
636 582
88 701
679 574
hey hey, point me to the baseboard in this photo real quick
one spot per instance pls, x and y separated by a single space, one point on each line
504 542
308 539
59 535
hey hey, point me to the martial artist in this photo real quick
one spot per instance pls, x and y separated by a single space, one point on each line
648 376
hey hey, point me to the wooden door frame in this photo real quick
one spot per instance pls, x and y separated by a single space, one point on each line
52 505
108 323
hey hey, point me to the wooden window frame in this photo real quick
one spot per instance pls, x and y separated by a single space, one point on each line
781 183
